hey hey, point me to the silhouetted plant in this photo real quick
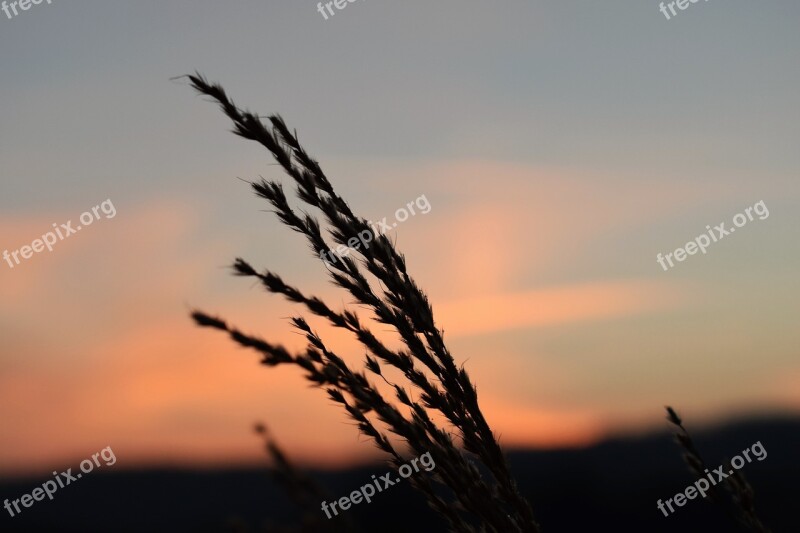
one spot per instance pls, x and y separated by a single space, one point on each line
740 505
470 500
303 491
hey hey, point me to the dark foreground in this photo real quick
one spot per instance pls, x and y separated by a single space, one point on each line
613 486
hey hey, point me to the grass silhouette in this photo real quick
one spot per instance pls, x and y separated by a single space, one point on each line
472 487
739 505
467 499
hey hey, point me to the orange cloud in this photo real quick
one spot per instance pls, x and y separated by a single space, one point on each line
524 426
553 306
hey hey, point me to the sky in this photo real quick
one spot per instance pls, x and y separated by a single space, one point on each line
561 146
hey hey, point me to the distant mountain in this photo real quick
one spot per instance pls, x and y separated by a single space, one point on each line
612 486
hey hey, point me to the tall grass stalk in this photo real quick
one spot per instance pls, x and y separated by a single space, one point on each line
740 504
468 500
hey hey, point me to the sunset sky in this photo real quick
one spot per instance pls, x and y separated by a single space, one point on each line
561 145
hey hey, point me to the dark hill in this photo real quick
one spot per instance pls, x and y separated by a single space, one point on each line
612 486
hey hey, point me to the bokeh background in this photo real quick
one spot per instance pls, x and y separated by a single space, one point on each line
561 145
